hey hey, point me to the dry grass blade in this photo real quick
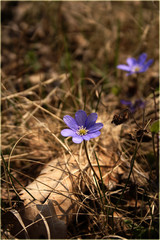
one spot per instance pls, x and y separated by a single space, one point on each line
61 78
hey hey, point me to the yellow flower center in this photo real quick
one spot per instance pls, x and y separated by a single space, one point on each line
136 69
82 131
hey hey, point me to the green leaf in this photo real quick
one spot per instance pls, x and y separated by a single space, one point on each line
155 127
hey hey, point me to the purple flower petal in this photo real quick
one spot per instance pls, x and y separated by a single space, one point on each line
95 127
77 139
131 61
91 135
132 109
142 58
123 67
68 133
146 65
91 119
80 117
70 122
127 103
86 137
139 103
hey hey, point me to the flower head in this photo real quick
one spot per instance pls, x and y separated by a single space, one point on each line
136 66
82 127
133 106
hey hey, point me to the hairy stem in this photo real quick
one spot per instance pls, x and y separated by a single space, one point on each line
85 147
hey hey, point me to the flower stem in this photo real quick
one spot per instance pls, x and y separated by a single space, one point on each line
85 147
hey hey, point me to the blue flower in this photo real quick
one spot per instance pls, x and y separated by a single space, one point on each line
133 106
82 127
136 66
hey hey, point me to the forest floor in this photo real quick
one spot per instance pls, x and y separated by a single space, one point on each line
58 58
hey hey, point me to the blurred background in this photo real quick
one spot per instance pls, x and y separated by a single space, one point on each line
81 38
